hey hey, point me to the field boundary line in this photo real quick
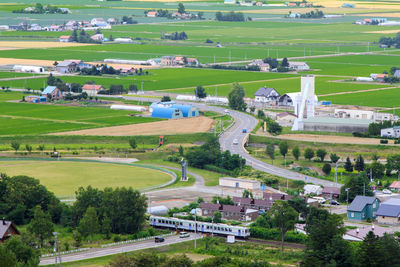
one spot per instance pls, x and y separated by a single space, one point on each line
50 120
359 91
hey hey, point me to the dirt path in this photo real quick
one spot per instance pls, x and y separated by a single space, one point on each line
168 127
359 91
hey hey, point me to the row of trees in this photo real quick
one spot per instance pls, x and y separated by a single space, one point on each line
230 16
175 36
83 37
40 9
274 64
391 41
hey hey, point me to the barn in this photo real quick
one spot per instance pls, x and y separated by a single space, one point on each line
187 110
167 113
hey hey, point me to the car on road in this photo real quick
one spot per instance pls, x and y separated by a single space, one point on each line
244 131
334 202
387 191
235 142
184 235
159 239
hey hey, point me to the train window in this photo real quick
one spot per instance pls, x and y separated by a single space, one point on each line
180 223
230 230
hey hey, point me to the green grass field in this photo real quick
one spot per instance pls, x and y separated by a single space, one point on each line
64 178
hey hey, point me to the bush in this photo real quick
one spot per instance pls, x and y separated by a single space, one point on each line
275 234
327 168
384 141
117 238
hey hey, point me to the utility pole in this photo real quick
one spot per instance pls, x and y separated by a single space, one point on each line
364 189
58 257
336 165
195 229
347 200
212 226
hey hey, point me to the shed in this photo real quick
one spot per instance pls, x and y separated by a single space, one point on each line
35 98
239 183
312 189
331 192
7 229
166 113
363 208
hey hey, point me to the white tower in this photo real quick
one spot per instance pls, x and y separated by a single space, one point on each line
304 102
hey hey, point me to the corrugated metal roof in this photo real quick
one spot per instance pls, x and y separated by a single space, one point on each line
360 202
166 113
49 90
327 120
388 210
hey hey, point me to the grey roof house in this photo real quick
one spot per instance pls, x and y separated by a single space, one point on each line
389 212
265 95
363 208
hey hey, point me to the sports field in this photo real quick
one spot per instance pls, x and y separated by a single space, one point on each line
65 177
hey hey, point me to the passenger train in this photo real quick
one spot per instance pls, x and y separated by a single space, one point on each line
203 227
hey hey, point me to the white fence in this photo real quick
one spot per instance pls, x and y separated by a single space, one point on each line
134 240
64 252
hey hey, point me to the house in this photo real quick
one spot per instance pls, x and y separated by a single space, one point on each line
7 230
169 61
35 99
265 95
252 203
276 196
389 212
331 192
360 233
112 21
229 212
354 114
378 117
395 186
166 113
35 27
98 22
312 189
92 89
285 119
99 37
298 66
208 209
127 70
363 208
239 183
192 61
67 66
152 14
381 77
397 74
65 39
393 132
53 92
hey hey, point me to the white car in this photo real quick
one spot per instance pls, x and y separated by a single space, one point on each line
387 191
184 235
235 142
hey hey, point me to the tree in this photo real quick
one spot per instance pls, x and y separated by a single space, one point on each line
132 143
325 245
74 36
321 153
284 217
283 148
360 165
165 99
308 153
15 145
357 186
247 194
181 151
106 227
296 152
327 168
24 253
28 148
200 15
285 63
334 158
270 151
89 224
51 80
41 225
236 97
260 114
217 217
200 92
273 127
376 169
181 8
133 88
393 164
7 257
348 166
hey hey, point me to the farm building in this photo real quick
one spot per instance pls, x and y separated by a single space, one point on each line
312 189
393 132
7 230
65 39
265 95
298 66
389 212
230 2
187 110
67 66
92 89
128 107
166 113
354 114
336 125
166 104
239 183
331 192
35 98
123 40
397 74
169 61
53 92
32 69
363 208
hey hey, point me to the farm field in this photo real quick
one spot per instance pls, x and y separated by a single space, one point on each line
65 177
27 119
5 74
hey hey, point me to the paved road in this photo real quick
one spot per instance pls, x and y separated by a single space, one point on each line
100 252
245 121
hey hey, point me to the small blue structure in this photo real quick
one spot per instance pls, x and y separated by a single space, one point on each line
166 113
347 5
363 208
35 99
187 110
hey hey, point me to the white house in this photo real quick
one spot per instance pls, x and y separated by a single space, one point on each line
393 132
354 114
312 189
32 69
99 37
265 95
98 22
293 65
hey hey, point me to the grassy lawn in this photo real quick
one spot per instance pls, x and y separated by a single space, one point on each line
64 178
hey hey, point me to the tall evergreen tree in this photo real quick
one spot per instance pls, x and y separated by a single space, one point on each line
360 165
348 166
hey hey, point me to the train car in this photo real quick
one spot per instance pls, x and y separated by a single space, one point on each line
203 227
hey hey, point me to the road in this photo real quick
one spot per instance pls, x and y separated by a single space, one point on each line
100 252
248 122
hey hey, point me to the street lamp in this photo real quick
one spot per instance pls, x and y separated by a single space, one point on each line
57 257
347 192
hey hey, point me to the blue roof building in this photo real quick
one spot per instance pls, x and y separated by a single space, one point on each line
187 110
166 113
363 208
389 212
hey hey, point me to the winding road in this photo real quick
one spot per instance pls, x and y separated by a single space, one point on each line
248 122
